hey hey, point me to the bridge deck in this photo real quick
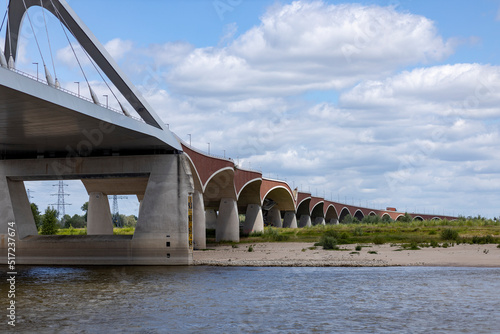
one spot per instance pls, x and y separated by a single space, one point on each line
36 119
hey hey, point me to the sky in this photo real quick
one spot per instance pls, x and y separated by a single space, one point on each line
375 103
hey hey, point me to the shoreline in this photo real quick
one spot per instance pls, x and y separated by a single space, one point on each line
303 254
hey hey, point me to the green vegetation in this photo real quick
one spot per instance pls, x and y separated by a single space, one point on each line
328 242
427 233
449 234
36 215
49 222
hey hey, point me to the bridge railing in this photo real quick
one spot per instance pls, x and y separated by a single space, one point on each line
38 79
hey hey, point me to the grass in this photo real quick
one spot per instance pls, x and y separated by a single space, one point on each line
83 231
435 233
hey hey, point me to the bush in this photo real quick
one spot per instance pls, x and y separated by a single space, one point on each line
488 239
329 242
273 235
449 234
359 247
348 219
357 232
49 222
250 248
332 233
378 240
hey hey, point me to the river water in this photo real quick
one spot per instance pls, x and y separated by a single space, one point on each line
256 300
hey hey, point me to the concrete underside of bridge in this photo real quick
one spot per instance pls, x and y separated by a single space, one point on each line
162 233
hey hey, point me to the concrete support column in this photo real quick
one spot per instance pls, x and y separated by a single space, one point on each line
319 221
228 222
305 221
254 221
334 221
199 223
290 220
15 207
99 220
211 219
275 217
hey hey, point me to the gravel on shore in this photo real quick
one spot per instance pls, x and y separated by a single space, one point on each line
295 254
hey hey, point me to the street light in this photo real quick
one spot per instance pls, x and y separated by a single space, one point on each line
189 139
78 83
208 148
36 70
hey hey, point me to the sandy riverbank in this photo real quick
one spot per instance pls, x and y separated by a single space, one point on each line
289 254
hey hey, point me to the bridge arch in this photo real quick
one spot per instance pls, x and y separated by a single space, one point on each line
198 185
419 218
282 196
359 215
98 53
331 216
386 217
317 213
249 193
219 185
345 211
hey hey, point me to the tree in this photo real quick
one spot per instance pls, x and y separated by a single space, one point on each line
85 208
130 221
406 218
36 215
49 222
76 221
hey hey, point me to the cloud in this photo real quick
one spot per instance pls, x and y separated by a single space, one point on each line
117 48
67 56
306 46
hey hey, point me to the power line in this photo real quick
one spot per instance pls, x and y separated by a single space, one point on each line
61 204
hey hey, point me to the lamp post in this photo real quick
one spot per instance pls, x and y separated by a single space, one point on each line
78 83
36 70
208 148
189 139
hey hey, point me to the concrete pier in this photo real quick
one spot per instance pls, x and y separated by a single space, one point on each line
99 220
275 217
319 221
254 221
199 222
210 219
290 220
228 223
305 221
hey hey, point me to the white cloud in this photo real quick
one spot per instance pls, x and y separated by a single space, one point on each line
169 53
67 56
309 46
117 47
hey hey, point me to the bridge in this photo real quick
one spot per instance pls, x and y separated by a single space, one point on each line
48 133
223 191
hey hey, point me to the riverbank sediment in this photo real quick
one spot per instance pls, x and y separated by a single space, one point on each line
299 254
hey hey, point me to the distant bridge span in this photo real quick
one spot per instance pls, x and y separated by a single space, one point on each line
235 191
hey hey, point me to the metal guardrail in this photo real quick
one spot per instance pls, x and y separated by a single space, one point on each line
29 76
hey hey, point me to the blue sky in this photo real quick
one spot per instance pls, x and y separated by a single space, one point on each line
382 103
